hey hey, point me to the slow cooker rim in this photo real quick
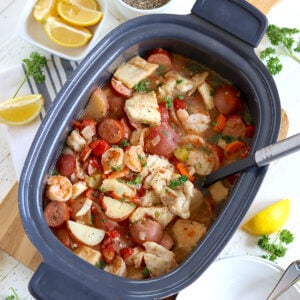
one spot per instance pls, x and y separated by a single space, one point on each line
28 170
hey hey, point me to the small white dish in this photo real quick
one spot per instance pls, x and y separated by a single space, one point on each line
33 32
129 12
240 277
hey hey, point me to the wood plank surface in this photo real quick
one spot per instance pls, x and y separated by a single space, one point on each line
13 239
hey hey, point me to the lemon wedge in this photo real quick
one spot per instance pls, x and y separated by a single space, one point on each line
269 220
66 35
91 4
21 110
44 9
78 15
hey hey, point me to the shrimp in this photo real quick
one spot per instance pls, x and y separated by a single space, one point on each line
191 139
112 160
135 158
59 188
194 123
76 141
203 161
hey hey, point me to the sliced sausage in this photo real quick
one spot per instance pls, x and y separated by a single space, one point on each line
119 88
227 100
146 230
159 56
66 165
235 127
112 131
56 213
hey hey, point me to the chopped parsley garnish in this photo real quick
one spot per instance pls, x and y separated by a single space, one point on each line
136 180
275 248
124 143
143 86
169 101
178 81
146 271
160 70
100 265
116 168
174 183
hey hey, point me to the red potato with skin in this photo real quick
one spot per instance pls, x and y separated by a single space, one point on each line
146 230
227 99
162 140
56 213
97 107
112 131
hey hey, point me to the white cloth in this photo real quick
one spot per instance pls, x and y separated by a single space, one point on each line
20 137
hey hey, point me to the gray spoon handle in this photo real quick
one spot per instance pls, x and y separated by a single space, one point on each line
260 158
270 153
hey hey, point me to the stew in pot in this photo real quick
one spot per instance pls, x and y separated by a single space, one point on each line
122 196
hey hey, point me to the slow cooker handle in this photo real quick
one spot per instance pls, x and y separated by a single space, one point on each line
48 283
238 17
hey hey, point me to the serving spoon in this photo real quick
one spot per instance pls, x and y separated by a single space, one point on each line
287 280
258 159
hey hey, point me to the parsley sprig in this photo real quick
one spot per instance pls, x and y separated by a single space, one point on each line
33 67
276 247
14 295
284 40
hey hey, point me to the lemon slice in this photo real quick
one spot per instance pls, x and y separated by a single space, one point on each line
66 35
21 110
269 220
91 4
78 15
44 9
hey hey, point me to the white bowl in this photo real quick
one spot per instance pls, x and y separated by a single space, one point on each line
241 277
129 12
33 32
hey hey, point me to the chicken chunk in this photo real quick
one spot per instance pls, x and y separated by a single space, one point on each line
133 71
158 259
187 233
194 123
205 91
159 213
143 109
117 267
176 84
90 255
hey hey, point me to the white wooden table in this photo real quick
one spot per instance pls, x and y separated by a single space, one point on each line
282 180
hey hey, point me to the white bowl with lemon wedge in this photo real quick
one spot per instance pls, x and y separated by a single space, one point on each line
67 28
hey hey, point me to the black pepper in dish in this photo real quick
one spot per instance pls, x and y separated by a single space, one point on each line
146 4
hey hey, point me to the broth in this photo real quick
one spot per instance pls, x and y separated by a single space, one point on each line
122 195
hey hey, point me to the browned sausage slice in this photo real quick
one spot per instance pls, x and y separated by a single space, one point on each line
159 56
56 213
112 131
119 88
